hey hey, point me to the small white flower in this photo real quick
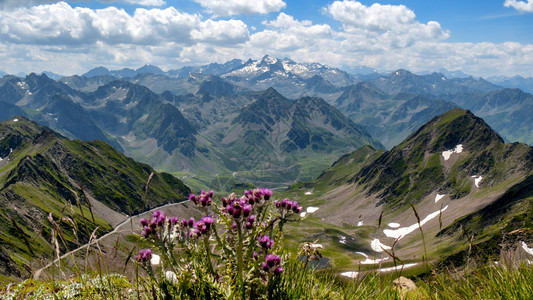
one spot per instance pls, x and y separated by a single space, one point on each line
156 260
171 276
316 246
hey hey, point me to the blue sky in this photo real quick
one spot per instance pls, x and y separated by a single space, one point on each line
481 38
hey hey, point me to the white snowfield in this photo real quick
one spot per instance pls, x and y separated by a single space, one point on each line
302 214
360 223
477 180
394 225
458 149
438 197
401 232
308 193
377 246
353 274
369 261
311 209
397 268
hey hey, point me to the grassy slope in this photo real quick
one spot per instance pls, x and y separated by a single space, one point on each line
45 173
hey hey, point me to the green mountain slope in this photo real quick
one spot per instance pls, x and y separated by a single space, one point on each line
87 184
287 139
455 171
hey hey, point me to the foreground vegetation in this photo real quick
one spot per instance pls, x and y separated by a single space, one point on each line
234 251
296 282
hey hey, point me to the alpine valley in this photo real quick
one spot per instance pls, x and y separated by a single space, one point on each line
391 169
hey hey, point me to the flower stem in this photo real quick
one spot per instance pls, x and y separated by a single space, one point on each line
208 251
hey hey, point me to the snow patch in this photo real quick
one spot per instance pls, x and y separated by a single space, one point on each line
311 209
394 225
342 240
377 246
302 214
401 232
360 223
351 274
526 248
397 268
308 193
15 120
438 197
458 149
477 180
369 261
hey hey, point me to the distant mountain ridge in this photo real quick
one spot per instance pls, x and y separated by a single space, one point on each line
186 133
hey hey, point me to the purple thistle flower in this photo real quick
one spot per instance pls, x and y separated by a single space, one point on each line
201 228
236 211
144 255
256 256
224 201
192 198
267 193
208 221
251 218
264 241
191 222
272 260
174 220
264 266
258 194
278 270
270 244
234 226
246 210
249 225
144 222
152 224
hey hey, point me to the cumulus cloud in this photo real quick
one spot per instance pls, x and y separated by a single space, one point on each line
61 24
286 33
241 7
68 40
10 4
520 5
395 25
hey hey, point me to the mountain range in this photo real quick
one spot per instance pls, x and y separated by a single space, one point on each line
185 121
451 186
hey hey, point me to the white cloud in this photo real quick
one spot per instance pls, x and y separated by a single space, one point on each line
286 33
520 5
241 7
69 40
9 4
147 2
393 25
61 24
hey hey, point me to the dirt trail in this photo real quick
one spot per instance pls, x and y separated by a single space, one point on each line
119 228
